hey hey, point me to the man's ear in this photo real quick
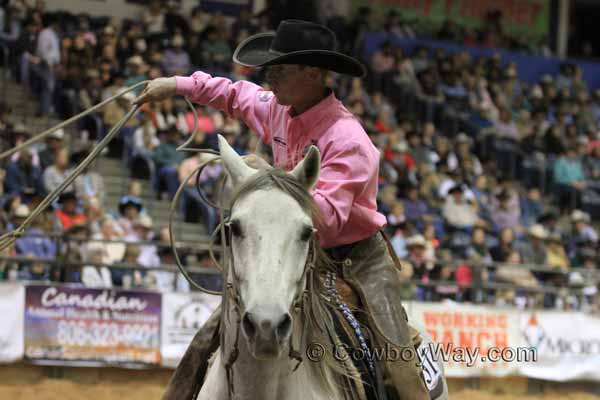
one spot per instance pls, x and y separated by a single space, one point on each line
307 170
235 166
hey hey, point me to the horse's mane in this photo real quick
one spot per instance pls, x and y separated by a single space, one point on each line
317 320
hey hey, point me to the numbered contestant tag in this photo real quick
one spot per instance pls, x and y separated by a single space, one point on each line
432 372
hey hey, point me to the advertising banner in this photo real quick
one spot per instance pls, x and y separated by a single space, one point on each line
12 299
471 340
183 315
567 345
525 17
92 326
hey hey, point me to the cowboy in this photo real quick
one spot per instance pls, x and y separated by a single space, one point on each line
299 111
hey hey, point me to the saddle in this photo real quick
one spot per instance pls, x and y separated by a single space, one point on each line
350 297
373 385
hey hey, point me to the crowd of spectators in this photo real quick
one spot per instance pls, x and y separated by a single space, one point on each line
481 173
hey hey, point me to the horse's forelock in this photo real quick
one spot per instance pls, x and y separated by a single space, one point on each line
279 179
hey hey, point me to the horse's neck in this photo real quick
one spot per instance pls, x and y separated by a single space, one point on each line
272 379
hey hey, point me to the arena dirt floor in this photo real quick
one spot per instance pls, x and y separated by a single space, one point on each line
26 382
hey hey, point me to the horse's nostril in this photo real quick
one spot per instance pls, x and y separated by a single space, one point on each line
284 327
248 325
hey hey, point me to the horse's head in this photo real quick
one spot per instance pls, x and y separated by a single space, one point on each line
271 231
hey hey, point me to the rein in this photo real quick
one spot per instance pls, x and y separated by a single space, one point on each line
232 294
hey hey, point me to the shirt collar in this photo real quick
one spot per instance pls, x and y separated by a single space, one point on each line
311 117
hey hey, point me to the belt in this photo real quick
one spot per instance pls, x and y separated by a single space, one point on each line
341 252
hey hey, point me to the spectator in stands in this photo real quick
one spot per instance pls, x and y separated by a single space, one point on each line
48 50
148 255
382 65
424 269
130 208
90 184
418 152
110 231
216 52
166 157
94 213
531 207
20 134
25 51
166 115
556 255
505 126
592 163
589 269
68 213
127 277
95 275
534 249
415 208
582 234
35 242
569 179
429 93
22 177
463 158
57 173
153 18
145 138
459 213
142 232
451 179
208 183
176 61
554 142
136 70
505 211
506 245
54 143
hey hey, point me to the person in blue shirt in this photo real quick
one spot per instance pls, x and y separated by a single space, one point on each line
569 179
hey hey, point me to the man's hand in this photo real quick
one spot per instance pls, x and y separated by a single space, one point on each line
157 90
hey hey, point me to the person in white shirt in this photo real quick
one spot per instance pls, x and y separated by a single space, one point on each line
48 50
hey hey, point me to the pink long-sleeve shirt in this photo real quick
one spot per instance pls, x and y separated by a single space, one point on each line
346 191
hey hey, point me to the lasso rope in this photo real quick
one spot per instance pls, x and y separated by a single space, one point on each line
9 238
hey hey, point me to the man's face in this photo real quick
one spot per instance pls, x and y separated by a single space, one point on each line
290 83
69 206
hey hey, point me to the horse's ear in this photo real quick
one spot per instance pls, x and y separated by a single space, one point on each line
307 170
235 166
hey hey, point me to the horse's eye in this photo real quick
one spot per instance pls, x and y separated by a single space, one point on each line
307 233
236 228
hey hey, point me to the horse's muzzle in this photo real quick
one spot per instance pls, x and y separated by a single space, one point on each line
266 335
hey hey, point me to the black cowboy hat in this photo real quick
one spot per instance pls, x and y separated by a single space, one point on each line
66 196
456 188
297 42
130 200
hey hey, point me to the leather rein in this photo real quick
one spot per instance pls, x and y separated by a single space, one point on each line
232 296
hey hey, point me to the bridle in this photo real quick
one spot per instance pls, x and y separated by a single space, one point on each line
231 296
